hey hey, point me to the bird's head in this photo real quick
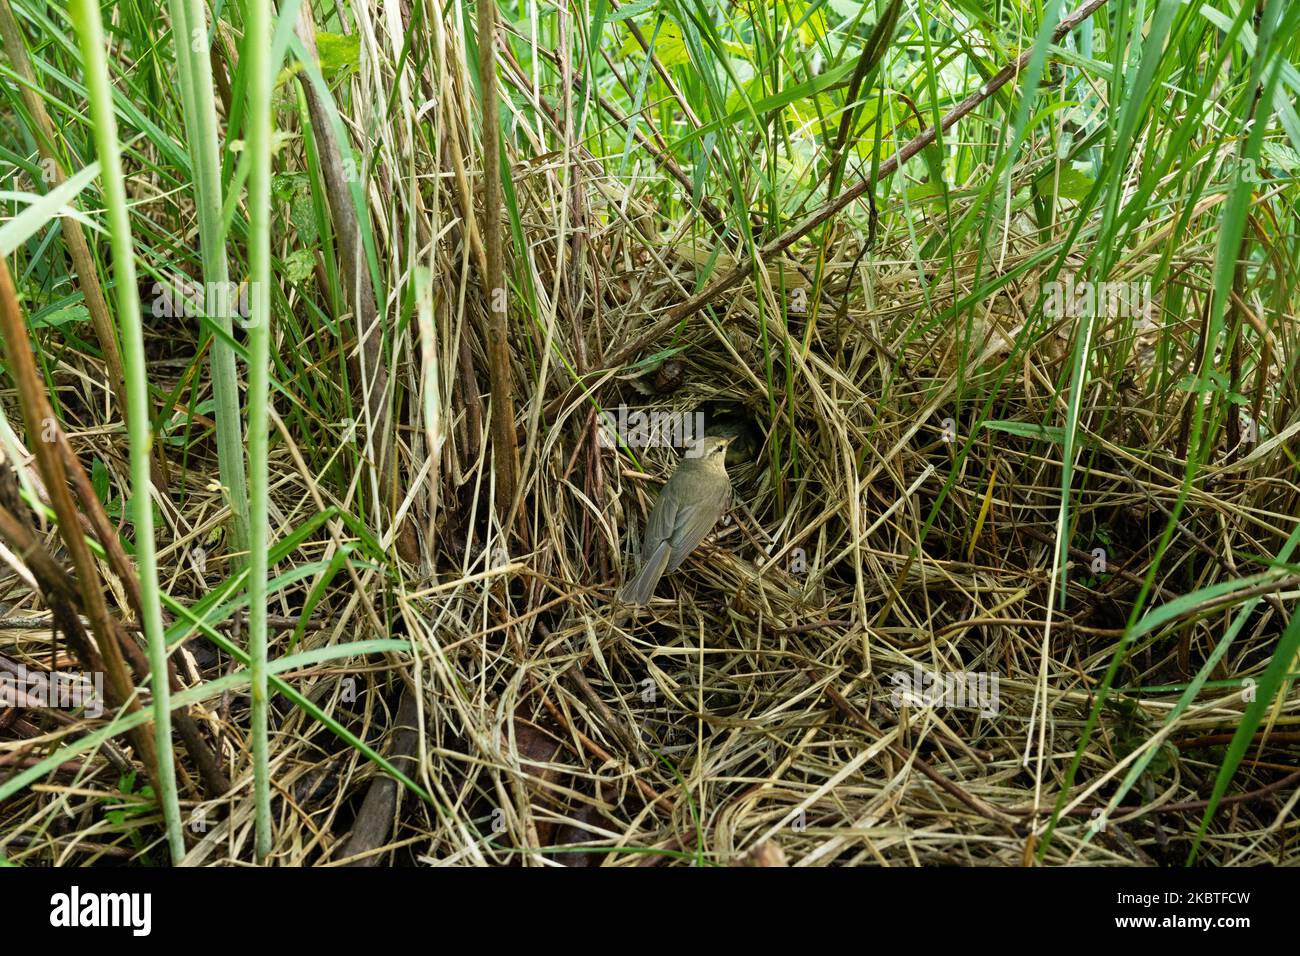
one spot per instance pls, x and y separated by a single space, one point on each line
711 449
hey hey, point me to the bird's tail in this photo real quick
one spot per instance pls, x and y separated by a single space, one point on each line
640 589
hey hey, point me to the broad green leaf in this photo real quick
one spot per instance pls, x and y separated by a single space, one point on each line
338 52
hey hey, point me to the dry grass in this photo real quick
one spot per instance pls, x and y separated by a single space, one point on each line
750 708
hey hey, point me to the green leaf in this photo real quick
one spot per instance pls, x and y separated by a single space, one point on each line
1052 433
1283 157
299 265
287 185
99 479
61 317
338 52
1070 183
630 10
1212 381
295 189
667 43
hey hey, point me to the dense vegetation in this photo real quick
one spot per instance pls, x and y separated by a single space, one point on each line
316 318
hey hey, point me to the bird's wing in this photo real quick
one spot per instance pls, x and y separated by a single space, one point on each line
693 523
662 521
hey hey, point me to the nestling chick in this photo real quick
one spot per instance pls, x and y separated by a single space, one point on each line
689 505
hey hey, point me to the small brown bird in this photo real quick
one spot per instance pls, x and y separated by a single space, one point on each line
692 501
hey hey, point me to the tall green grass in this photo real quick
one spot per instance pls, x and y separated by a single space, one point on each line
1119 152
90 32
260 73
191 42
